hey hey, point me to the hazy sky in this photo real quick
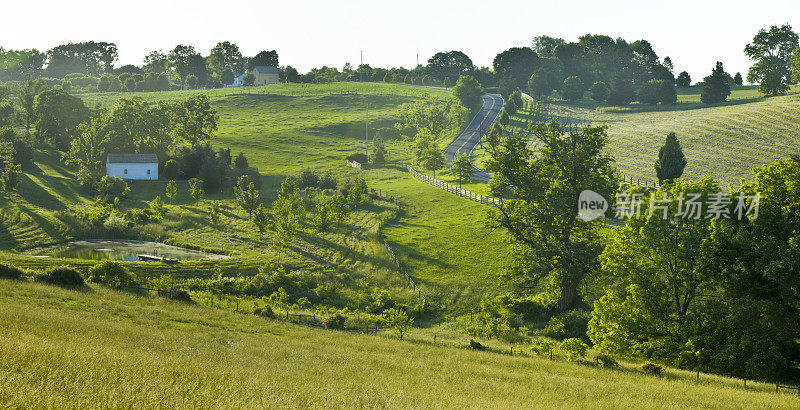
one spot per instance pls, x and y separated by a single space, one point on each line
308 34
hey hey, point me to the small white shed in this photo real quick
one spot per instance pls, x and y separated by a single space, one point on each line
132 166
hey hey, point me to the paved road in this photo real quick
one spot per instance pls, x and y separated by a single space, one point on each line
471 137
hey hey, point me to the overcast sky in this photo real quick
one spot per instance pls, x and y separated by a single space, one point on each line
308 34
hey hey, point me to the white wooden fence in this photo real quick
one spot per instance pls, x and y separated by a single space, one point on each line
486 200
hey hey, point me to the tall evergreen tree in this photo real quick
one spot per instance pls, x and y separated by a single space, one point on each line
716 88
671 162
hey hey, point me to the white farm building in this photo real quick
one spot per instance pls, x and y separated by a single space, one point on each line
132 166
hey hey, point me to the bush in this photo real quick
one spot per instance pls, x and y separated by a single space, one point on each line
573 88
574 348
308 179
599 91
541 346
11 272
606 361
266 311
111 273
476 345
327 181
62 276
621 91
652 369
360 158
571 324
115 225
335 322
110 187
176 294
650 92
171 169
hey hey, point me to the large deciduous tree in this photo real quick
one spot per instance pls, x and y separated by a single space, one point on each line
448 66
469 92
58 116
772 50
549 240
517 63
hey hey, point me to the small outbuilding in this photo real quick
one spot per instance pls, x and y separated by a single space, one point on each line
132 166
265 75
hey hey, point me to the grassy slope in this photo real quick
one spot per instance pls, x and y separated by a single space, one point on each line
725 141
283 129
100 348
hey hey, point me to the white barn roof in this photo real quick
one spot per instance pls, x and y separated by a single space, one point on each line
132 159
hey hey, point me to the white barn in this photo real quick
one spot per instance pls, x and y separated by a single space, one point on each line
132 166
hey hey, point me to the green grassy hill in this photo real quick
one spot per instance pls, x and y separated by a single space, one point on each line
725 141
283 129
95 347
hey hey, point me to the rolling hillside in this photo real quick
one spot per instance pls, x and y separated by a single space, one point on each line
66 348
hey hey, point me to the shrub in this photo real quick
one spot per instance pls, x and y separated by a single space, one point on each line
115 225
650 92
568 325
541 346
8 271
652 369
62 276
176 294
266 311
360 158
110 187
240 162
573 88
574 348
476 345
599 91
111 273
335 322
171 169
308 179
606 361
327 181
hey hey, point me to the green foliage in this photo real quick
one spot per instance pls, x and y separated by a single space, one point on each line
469 92
265 311
116 226
10 177
715 87
599 91
650 92
58 116
542 346
215 213
171 191
517 64
246 195
575 348
61 276
570 324
620 91
240 162
652 369
683 80
542 222
196 189
109 188
772 52
356 195
398 320
10 272
378 149
475 345
111 273
671 161
606 361
157 208
335 322
539 86
573 88
462 167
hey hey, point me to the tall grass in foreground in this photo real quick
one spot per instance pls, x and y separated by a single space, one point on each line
62 348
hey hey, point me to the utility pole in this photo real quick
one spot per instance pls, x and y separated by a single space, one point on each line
366 134
359 67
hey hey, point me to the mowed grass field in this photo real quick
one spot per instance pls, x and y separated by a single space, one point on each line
725 141
64 348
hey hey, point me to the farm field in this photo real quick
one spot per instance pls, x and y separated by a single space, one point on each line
725 142
65 348
282 130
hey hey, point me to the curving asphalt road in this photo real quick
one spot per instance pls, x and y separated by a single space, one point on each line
472 135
